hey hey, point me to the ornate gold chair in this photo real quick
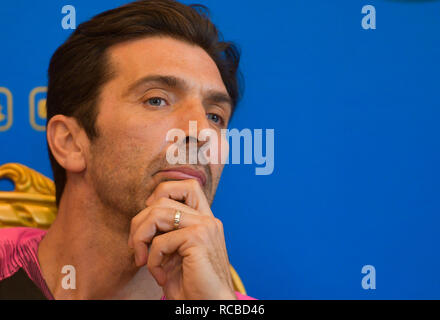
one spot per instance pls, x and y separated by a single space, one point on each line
32 203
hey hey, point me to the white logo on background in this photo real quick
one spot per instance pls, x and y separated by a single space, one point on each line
369 280
209 152
69 280
69 20
369 20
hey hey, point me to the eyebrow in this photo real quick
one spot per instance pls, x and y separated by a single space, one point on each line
180 84
169 81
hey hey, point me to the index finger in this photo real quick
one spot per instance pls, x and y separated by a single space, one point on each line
186 191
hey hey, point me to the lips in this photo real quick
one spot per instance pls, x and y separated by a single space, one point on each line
183 173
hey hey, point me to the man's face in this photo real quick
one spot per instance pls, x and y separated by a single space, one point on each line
181 84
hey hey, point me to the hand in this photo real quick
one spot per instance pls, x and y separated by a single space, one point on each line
191 262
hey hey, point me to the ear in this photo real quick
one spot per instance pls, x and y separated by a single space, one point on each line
68 142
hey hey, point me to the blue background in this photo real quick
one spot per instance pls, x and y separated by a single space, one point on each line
355 114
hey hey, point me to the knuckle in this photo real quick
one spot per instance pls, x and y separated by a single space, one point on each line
155 243
134 222
195 183
212 223
195 251
160 188
154 213
218 223
136 237
162 201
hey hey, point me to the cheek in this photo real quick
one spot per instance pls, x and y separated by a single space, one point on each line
148 131
221 157
136 137
122 146
223 149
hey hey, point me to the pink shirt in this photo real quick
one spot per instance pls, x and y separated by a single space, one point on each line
19 249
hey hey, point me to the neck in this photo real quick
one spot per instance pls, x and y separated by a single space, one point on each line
93 240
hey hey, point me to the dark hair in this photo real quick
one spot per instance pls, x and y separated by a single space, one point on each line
80 67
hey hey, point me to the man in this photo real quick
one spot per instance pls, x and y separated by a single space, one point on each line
130 225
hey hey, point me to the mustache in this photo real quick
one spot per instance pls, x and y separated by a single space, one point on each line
185 143
160 163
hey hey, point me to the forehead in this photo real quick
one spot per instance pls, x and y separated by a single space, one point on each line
165 55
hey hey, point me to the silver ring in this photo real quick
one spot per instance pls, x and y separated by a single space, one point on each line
177 219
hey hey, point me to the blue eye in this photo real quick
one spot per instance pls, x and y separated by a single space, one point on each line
215 117
156 101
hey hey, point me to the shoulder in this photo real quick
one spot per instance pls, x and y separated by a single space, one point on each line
19 234
14 247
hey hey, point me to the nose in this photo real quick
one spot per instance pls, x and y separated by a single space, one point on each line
192 119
